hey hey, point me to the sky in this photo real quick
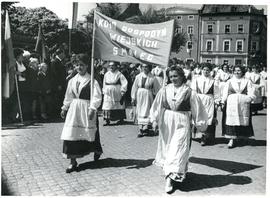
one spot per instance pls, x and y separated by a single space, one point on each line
63 8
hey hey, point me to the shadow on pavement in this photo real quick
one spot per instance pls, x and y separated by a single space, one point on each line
26 125
229 166
196 181
110 162
253 142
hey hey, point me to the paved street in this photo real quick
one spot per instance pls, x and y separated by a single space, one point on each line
32 164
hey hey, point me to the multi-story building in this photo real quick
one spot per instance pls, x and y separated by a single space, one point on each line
232 34
187 23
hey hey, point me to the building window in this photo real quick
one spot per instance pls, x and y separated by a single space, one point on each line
254 46
209 45
179 29
240 28
190 29
239 46
189 45
209 61
179 17
226 45
227 29
225 62
190 17
238 62
210 29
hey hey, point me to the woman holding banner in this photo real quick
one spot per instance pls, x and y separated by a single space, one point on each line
81 132
144 88
114 89
171 112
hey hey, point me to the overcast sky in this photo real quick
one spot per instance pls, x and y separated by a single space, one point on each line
63 8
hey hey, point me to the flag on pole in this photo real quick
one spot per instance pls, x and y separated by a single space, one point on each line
40 44
73 17
9 63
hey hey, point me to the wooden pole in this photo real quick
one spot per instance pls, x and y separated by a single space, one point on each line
18 98
69 41
92 58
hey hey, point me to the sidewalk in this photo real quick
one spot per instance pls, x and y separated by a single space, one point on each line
32 164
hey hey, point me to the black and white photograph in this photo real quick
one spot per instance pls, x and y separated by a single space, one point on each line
140 98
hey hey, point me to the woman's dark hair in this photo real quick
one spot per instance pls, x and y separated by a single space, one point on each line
83 58
208 65
17 52
179 71
222 66
241 68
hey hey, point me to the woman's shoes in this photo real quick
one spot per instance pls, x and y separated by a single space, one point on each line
96 156
168 185
231 144
71 168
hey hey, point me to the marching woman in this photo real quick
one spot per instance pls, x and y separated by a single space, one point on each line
264 85
143 91
237 96
114 89
257 82
81 131
206 89
221 78
172 110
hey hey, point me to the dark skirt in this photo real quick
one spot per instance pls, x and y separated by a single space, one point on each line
80 148
238 131
115 114
256 107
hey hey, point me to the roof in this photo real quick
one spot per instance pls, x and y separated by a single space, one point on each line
178 10
218 9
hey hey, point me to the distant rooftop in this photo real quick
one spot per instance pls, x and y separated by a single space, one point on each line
218 9
178 10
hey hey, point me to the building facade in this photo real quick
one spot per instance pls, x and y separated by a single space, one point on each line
187 23
232 34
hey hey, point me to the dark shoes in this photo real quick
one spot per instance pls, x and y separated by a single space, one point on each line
140 135
71 168
96 156
107 123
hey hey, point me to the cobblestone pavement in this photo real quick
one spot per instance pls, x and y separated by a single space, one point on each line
32 164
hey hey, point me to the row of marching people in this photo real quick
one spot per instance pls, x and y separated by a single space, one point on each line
171 109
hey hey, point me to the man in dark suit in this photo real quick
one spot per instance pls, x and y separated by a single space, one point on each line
58 74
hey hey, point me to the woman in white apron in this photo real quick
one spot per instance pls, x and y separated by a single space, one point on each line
144 88
81 132
206 89
237 96
114 88
172 111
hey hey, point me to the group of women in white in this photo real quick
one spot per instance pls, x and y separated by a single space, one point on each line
172 108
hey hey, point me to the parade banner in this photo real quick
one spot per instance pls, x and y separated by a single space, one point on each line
134 43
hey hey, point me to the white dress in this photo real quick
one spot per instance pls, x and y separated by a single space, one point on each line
114 83
77 102
238 101
221 79
264 83
144 88
257 84
173 109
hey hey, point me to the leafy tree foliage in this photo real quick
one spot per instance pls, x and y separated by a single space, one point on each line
25 21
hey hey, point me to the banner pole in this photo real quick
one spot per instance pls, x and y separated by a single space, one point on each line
69 41
18 98
92 58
